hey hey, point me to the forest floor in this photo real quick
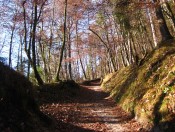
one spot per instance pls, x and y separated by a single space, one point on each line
90 111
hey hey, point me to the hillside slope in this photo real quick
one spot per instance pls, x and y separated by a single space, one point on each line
148 91
18 108
20 103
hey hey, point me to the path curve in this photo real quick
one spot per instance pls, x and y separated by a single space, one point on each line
91 111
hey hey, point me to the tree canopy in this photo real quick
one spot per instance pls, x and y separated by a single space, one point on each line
52 40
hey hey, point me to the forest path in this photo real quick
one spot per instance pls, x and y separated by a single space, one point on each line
90 111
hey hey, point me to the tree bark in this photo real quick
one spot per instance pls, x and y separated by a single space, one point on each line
10 49
69 55
165 34
64 42
37 76
152 28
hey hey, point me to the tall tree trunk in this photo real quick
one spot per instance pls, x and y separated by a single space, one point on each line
27 45
66 76
19 48
167 9
20 56
152 28
165 34
81 63
126 56
84 72
10 49
43 56
50 43
123 58
64 42
37 76
69 54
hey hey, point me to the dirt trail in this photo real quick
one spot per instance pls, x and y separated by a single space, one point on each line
91 110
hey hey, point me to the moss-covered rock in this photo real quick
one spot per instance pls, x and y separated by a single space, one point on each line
147 91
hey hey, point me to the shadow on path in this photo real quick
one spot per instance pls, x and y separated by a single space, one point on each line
90 110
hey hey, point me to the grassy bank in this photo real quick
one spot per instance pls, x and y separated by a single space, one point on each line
147 91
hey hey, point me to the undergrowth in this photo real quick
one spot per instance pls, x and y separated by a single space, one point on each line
57 92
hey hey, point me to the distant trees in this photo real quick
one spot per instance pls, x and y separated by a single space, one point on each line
77 39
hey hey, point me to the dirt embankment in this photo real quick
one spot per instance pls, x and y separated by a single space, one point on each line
19 110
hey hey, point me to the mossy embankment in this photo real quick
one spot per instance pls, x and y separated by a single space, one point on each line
147 91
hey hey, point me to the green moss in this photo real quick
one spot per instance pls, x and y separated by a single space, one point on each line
147 90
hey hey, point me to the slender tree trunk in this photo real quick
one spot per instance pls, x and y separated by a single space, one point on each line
126 53
43 56
111 53
64 42
19 48
108 49
131 55
37 76
152 28
77 40
84 72
27 46
30 62
10 49
69 54
20 56
65 65
123 58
